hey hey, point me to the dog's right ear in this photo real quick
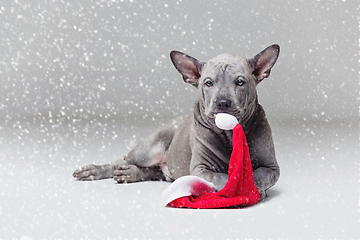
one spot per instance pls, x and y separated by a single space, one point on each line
262 63
189 67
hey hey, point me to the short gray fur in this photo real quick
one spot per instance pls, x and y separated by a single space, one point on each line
193 144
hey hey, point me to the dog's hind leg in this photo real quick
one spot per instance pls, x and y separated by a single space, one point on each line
93 172
146 161
143 163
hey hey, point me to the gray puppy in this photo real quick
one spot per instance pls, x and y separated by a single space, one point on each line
193 144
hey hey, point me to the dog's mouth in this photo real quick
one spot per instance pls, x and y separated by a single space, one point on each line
235 113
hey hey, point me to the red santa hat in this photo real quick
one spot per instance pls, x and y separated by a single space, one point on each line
239 191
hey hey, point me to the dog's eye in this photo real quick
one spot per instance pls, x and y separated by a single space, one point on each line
208 82
240 81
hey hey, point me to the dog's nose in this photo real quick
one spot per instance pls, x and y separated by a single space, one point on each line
223 103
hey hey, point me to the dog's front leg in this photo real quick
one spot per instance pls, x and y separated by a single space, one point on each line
264 178
218 179
208 165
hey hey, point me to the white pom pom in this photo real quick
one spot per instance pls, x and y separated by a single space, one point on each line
186 186
225 121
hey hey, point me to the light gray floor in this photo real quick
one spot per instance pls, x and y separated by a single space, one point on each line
317 196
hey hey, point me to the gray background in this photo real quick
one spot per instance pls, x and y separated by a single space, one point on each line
83 81
112 57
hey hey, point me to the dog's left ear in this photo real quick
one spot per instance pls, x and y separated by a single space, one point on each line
262 63
189 67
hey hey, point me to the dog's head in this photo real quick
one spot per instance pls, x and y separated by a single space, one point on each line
227 83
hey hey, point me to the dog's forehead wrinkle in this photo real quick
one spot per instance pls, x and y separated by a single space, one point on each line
232 64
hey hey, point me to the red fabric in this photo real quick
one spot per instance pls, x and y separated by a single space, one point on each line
239 191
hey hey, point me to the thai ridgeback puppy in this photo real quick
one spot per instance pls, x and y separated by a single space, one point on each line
192 144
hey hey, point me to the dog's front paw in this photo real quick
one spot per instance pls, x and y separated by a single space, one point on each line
263 195
92 172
